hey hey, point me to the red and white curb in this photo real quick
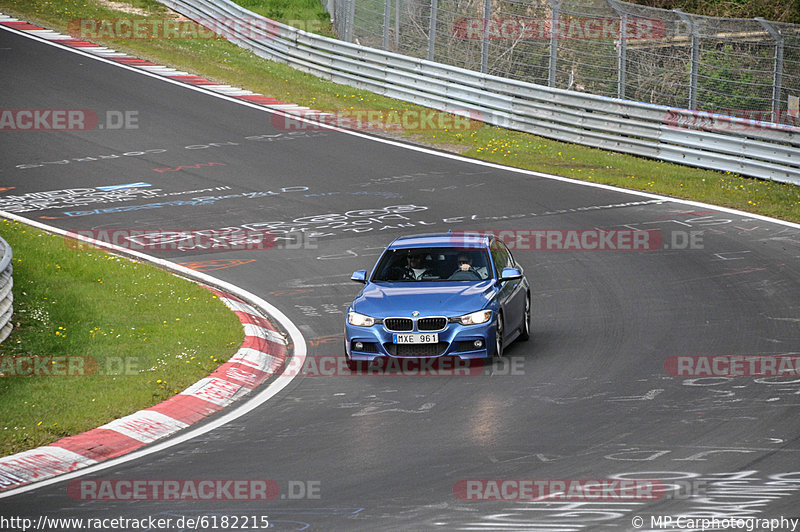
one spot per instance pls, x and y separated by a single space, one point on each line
154 68
263 352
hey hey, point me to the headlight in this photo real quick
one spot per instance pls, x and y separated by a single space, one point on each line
482 316
360 320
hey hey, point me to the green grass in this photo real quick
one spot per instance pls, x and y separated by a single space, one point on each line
307 15
227 63
137 334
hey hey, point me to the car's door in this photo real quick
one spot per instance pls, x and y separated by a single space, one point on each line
511 294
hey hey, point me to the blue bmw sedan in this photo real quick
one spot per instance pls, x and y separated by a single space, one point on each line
436 295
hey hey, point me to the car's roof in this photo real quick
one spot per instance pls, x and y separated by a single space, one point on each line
447 240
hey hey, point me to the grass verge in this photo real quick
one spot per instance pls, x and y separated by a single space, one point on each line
104 336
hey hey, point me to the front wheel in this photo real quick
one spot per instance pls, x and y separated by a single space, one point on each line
498 337
525 332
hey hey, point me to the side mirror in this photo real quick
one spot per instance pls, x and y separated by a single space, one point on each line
509 274
359 276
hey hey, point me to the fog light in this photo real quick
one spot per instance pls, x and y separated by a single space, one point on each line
358 346
478 344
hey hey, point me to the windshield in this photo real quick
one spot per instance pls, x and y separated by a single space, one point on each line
433 264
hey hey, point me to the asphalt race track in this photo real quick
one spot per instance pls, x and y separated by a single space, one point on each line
589 397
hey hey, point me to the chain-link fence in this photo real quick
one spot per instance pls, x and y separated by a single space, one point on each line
740 67
6 294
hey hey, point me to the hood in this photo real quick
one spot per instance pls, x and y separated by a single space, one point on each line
381 300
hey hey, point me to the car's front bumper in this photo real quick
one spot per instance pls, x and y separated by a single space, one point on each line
455 340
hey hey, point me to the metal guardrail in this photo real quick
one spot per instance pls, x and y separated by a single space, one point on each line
747 147
6 295
734 66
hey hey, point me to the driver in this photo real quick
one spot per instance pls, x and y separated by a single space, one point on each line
465 264
415 267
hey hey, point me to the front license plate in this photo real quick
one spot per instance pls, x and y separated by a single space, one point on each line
416 338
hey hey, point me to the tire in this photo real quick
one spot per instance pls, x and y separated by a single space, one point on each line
498 337
525 331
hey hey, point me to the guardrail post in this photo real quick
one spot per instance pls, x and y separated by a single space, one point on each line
554 30
695 60
622 57
350 21
432 30
487 13
621 49
777 69
387 19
